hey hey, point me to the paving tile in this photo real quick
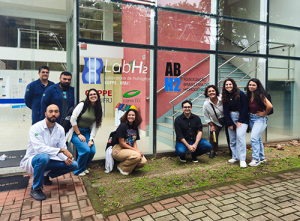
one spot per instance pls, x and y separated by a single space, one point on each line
180 216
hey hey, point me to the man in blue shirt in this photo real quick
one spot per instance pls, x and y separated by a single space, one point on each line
61 94
34 92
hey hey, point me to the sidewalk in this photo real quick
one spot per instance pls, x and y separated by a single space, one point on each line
271 198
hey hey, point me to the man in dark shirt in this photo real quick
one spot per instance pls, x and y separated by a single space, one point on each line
188 128
61 94
34 92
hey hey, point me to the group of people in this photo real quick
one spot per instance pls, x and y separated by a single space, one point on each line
233 110
47 155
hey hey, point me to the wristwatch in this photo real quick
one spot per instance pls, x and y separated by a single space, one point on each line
92 140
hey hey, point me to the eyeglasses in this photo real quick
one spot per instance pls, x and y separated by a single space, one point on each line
93 95
45 72
187 107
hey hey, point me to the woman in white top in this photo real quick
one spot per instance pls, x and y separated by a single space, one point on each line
213 111
86 119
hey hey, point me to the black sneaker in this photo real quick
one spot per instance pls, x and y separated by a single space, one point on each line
37 194
182 159
194 159
212 155
47 181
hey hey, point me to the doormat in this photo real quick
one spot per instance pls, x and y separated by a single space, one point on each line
13 158
13 183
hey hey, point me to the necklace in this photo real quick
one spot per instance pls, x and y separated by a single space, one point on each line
230 97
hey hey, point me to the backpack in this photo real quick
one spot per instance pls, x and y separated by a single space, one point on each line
269 98
112 139
65 123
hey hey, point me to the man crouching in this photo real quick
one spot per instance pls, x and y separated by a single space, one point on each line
47 154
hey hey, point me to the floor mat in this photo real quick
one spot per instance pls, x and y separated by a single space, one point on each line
13 183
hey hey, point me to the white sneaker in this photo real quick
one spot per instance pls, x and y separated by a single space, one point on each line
86 171
243 164
263 161
232 160
121 172
81 174
254 163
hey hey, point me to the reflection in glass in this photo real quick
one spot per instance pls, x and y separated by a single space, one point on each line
193 5
110 21
184 30
240 36
241 9
283 42
285 12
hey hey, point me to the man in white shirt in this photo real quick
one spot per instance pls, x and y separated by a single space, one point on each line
47 154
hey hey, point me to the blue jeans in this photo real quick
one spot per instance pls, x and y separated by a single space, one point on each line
42 163
203 147
238 139
257 126
85 153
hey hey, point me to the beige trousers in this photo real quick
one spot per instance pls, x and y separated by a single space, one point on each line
129 159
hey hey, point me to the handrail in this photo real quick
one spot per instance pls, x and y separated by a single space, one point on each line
236 55
205 59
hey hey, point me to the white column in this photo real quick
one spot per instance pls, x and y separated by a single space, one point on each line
212 40
261 71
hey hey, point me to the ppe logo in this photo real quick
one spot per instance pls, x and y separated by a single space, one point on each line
131 93
92 70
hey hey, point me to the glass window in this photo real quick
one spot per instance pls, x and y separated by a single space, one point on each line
110 21
283 42
241 36
32 33
241 9
185 31
193 5
283 86
121 77
285 12
181 76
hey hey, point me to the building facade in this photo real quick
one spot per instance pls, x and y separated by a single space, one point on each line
152 54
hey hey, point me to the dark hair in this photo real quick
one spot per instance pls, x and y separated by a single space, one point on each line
186 101
98 107
214 87
138 119
43 67
235 91
66 73
259 94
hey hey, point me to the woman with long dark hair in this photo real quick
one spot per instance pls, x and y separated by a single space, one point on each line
85 126
126 150
235 108
259 108
213 115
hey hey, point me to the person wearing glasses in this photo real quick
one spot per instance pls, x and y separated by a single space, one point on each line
34 93
188 129
85 125
61 94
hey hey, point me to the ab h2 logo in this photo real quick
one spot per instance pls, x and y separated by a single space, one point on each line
92 70
169 80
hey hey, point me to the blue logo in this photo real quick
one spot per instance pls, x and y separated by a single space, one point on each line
92 70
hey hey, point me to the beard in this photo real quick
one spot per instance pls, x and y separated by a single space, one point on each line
52 119
64 85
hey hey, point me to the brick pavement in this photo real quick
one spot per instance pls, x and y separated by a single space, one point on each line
265 199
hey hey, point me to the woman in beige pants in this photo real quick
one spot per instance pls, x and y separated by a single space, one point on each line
126 150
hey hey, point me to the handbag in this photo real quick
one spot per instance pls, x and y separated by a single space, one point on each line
221 120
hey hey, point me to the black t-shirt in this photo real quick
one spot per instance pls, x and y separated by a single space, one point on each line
129 133
232 103
64 103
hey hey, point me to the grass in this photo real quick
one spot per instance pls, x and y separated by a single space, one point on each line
168 175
